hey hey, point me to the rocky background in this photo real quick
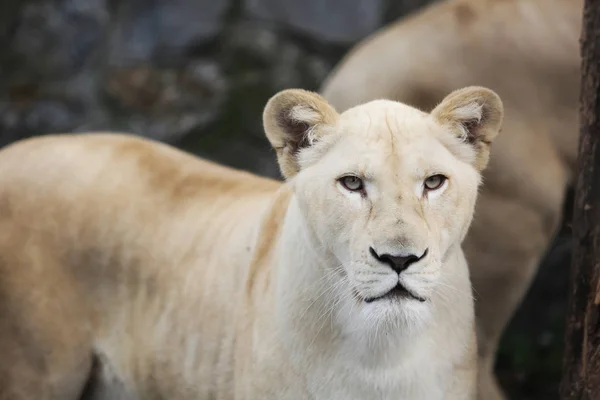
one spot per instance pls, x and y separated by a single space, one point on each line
196 74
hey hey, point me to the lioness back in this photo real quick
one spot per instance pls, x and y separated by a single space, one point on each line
96 233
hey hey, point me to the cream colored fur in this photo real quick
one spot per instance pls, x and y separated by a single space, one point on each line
528 52
151 274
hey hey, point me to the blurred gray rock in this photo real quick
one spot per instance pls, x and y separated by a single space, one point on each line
396 9
342 21
195 73
49 59
166 103
55 39
80 65
163 31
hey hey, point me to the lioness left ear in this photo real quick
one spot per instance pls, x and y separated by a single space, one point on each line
295 119
474 114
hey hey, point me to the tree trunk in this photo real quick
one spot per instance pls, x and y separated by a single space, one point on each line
581 373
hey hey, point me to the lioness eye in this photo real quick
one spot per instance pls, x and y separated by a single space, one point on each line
352 183
434 182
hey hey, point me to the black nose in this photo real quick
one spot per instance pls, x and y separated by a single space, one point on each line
398 263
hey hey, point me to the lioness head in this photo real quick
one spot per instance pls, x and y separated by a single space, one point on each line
387 191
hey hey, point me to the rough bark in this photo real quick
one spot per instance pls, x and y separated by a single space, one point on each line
581 374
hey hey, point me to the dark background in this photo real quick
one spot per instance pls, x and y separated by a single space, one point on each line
196 74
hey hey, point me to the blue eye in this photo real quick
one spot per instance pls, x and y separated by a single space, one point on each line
352 183
434 182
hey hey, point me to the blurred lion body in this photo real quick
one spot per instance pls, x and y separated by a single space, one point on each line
527 51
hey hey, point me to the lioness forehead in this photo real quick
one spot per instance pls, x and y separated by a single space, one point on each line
384 135
387 121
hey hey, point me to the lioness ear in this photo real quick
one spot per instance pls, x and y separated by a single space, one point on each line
475 115
295 119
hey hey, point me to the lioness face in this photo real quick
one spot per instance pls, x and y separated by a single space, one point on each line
385 189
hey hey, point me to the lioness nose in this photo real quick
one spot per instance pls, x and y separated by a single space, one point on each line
397 263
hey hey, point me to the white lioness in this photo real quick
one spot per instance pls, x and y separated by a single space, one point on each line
527 51
130 270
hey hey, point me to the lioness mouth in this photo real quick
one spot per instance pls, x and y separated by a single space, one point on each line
397 292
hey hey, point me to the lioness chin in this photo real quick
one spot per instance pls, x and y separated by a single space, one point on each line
130 270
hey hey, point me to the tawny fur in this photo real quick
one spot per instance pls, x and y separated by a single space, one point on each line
528 52
131 270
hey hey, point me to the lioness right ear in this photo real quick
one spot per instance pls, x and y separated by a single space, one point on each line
295 119
473 114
